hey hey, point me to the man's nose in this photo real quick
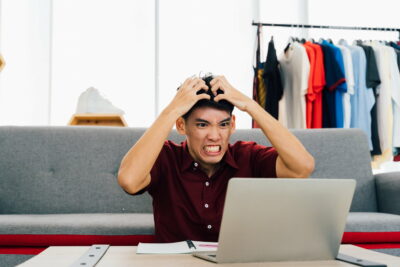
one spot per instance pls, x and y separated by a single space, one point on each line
213 134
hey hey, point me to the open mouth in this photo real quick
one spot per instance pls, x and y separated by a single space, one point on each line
212 149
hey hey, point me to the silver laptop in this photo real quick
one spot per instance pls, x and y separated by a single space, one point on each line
282 220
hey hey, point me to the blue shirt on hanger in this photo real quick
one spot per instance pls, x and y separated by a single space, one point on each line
363 98
335 85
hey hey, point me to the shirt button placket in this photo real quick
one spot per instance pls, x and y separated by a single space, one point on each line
195 165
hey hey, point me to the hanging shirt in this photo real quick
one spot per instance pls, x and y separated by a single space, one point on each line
335 86
372 80
348 72
389 91
363 98
295 69
395 93
397 50
310 96
273 81
261 90
318 85
258 83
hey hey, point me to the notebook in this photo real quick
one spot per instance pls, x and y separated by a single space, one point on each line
187 246
282 220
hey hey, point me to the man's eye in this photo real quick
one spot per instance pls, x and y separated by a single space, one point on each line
225 124
201 125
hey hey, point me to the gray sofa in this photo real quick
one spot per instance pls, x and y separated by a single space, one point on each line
59 187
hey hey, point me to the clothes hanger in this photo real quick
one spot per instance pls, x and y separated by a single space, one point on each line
290 42
311 40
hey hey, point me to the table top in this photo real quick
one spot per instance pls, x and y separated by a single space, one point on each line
126 256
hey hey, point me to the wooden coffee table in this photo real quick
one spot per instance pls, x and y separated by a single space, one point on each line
126 256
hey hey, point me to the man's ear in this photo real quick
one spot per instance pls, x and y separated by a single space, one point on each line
180 126
233 124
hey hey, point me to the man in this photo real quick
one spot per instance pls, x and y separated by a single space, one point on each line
188 182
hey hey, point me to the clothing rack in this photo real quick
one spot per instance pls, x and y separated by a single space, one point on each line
307 26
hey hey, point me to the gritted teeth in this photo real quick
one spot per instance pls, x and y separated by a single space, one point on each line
212 148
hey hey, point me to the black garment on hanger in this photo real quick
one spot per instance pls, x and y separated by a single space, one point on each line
372 80
273 82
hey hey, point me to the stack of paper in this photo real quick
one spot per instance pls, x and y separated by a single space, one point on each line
176 247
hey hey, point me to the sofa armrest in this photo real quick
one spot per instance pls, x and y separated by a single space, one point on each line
388 192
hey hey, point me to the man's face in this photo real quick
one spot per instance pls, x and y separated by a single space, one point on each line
207 131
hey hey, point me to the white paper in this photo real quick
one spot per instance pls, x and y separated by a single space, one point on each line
175 248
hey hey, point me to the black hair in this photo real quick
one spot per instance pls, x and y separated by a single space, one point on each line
220 105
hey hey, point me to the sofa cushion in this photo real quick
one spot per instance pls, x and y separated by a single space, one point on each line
388 188
372 227
78 224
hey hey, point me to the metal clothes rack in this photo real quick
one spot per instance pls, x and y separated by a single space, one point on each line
302 26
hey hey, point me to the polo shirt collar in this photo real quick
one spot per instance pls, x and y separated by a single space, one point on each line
188 161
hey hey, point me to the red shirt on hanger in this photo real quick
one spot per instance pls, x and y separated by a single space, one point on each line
318 84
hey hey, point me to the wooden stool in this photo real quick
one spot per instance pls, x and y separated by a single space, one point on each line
95 119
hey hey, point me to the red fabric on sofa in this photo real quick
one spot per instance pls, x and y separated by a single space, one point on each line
370 237
22 250
73 240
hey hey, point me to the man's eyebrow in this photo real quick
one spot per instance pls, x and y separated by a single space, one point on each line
201 120
226 120
206 121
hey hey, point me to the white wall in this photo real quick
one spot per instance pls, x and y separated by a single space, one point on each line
286 12
24 43
107 44
363 13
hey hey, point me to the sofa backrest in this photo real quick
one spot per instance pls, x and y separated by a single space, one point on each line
65 170
74 169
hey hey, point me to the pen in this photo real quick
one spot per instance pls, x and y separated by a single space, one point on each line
190 244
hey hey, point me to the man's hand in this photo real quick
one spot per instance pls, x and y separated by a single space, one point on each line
230 94
187 95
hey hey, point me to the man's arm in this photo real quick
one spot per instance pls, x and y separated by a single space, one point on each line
293 160
134 172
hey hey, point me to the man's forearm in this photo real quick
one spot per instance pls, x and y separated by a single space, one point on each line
134 172
137 163
297 161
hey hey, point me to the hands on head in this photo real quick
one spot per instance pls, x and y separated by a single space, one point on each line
195 89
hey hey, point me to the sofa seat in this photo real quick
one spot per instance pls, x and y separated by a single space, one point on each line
373 230
28 230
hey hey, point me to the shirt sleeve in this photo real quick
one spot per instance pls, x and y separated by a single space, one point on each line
156 170
264 161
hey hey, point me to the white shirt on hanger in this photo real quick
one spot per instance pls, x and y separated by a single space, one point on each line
395 92
384 106
295 68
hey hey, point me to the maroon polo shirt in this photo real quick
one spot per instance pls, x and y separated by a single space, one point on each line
188 204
